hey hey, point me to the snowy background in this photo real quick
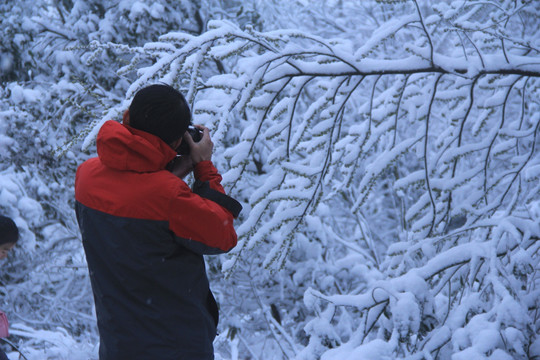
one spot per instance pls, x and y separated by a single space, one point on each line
386 154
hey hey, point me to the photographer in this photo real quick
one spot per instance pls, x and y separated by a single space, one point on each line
145 231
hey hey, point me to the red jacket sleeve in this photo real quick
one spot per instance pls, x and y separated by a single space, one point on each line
206 171
200 224
208 186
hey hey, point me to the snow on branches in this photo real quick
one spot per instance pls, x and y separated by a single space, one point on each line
422 139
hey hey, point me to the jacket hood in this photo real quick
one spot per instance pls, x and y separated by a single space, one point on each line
122 147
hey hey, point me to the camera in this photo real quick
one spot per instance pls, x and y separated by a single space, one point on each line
195 134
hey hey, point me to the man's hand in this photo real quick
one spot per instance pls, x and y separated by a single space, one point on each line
202 150
182 166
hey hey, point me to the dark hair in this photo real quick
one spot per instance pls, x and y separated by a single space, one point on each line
160 110
8 231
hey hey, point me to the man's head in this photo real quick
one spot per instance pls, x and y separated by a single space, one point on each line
160 110
9 234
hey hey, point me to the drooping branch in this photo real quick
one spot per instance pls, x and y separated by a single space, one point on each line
402 91
426 169
460 138
503 115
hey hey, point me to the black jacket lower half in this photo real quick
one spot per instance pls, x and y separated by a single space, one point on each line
152 296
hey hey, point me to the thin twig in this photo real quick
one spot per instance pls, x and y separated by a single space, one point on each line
425 31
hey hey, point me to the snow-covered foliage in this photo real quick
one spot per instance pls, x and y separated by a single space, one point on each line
385 152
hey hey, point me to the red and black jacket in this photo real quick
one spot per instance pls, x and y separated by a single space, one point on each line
144 233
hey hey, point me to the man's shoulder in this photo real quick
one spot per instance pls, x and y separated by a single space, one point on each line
91 160
84 167
90 163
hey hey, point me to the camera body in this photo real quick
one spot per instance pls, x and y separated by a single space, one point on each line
195 134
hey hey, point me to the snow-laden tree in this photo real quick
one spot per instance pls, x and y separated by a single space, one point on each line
389 180
386 154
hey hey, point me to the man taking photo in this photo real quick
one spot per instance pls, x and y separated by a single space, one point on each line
145 231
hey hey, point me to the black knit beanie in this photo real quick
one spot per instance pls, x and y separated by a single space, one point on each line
160 110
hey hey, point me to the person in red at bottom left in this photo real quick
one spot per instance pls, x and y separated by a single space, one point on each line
9 235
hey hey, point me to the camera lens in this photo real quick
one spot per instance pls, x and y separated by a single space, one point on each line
195 134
